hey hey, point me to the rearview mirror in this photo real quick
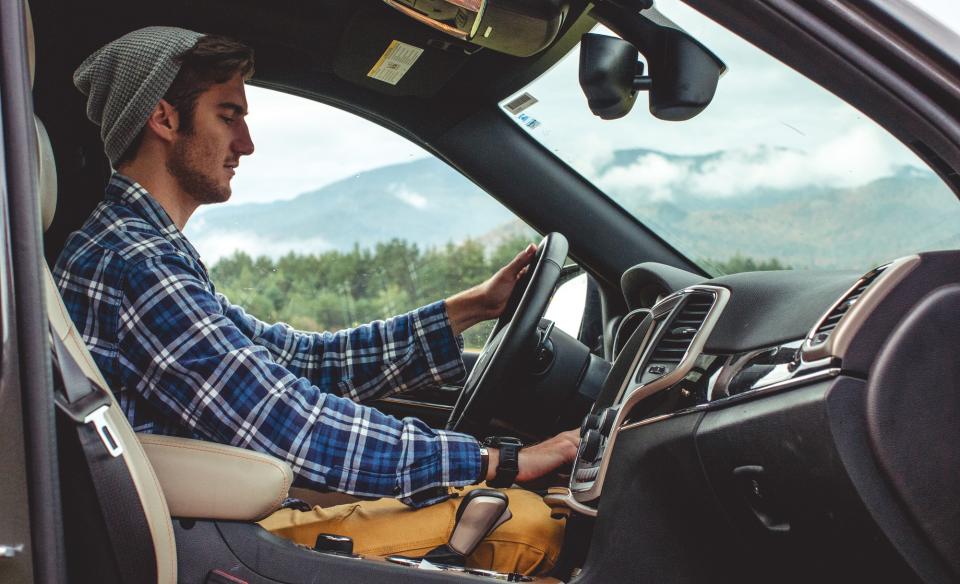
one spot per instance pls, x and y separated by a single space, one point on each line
682 79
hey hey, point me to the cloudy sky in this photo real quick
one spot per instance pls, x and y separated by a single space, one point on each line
302 145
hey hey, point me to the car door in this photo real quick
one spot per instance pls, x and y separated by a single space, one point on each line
30 540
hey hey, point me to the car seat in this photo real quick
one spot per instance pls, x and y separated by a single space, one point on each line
173 477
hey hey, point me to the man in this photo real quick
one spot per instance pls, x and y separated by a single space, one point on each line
184 361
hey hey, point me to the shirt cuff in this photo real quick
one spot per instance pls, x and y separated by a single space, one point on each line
442 348
460 456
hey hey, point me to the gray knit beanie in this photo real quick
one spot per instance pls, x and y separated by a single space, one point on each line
126 79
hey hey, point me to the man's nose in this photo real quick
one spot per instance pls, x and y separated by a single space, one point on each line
243 144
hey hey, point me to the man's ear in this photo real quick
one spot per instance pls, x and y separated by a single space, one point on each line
164 121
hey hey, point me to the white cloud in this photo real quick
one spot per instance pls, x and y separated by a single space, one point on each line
745 170
404 194
654 173
593 152
851 159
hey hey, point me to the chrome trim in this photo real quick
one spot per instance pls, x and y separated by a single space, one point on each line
734 367
567 499
637 393
733 399
416 404
579 507
619 343
849 325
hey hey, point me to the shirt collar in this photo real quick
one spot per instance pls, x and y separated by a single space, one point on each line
126 191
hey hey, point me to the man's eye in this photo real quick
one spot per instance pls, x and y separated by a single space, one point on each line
227 119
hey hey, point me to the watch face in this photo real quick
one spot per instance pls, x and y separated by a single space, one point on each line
502 441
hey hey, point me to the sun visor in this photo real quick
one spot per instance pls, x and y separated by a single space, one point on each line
389 53
521 28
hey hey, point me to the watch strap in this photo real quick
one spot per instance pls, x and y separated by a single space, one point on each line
484 464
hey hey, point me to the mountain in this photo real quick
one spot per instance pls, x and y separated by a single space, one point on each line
851 227
762 203
425 201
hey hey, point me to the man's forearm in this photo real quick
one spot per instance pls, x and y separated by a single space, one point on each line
465 310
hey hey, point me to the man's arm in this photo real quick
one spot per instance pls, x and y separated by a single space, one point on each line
367 362
540 459
194 366
400 354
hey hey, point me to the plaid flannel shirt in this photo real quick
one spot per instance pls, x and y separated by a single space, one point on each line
183 361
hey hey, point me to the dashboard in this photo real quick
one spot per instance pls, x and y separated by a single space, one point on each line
725 398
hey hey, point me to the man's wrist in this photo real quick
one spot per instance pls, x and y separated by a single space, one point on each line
464 310
504 472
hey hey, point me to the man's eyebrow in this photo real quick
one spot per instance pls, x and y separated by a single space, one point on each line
235 107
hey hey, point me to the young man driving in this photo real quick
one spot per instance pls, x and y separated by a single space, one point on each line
184 361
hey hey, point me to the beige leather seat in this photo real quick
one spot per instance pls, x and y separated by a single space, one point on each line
174 477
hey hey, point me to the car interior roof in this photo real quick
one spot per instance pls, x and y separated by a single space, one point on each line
324 53
325 47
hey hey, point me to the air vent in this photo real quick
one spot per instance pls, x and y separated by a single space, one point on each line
830 322
675 341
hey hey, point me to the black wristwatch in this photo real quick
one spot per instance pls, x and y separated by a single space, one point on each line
508 465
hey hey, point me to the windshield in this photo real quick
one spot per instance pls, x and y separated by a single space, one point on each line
776 173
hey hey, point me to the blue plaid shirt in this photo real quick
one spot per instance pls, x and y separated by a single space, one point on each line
184 361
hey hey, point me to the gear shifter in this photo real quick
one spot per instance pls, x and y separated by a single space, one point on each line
480 512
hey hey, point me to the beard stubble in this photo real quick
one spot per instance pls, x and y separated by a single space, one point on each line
186 164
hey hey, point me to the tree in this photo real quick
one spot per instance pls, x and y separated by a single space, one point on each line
336 289
740 263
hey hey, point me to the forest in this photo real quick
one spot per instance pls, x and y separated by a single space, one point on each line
336 289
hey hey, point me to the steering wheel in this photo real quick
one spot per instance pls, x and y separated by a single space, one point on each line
510 343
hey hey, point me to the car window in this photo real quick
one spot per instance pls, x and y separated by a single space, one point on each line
566 307
335 221
943 11
776 173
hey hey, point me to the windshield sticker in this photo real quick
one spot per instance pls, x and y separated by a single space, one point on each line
518 104
395 62
528 121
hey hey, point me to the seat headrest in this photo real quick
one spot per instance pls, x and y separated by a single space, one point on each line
47 181
46 166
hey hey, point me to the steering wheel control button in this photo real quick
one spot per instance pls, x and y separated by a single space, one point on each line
590 446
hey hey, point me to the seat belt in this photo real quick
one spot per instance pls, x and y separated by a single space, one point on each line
85 403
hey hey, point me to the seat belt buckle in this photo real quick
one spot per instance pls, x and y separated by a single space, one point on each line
98 418
92 408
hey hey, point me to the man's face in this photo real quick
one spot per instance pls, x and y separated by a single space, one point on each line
204 159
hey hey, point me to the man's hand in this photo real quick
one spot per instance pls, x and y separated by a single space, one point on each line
488 299
541 459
